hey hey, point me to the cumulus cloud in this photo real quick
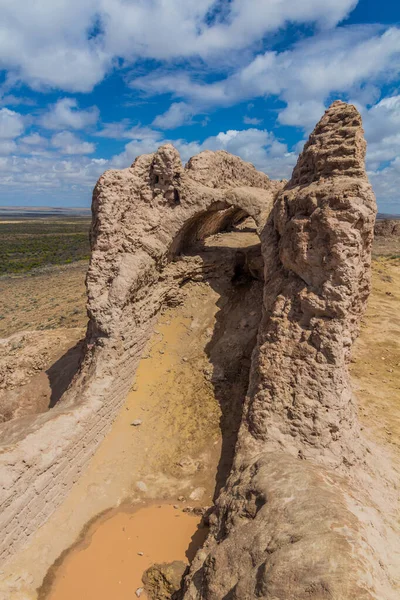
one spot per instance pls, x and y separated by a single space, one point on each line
71 45
208 54
34 139
7 147
302 114
68 143
386 184
328 63
65 114
49 178
258 146
177 114
11 124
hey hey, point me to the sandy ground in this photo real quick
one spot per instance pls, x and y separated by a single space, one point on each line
42 320
51 298
375 367
188 394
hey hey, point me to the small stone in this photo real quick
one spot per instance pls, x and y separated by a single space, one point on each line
141 486
181 498
197 494
139 592
140 553
136 422
162 581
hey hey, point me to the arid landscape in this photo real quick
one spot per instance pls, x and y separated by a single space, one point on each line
184 445
199 300
146 509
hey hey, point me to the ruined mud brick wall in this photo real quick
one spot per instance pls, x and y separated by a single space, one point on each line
143 217
297 518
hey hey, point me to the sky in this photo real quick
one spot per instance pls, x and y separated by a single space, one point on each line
88 85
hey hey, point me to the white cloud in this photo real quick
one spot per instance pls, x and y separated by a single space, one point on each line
177 114
305 76
7 147
49 178
302 114
257 146
68 143
72 44
11 124
124 130
65 114
251 120
386 184
166 30
34 139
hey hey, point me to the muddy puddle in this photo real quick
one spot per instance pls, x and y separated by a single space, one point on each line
109 560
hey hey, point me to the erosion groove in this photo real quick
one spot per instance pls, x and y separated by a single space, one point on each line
309 508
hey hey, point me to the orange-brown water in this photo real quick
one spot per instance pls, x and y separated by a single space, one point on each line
106 564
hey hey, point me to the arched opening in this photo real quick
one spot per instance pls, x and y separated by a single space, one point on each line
217 219
225 242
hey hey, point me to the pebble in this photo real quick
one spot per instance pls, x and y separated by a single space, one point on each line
197 494
140 553
136 422
139 592
141 486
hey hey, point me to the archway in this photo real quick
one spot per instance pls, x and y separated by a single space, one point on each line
227 244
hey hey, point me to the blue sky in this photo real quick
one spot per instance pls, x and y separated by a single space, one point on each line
88 85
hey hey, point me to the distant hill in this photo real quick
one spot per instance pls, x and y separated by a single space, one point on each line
43 211
387 216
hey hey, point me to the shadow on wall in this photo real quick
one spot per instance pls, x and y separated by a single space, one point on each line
62 372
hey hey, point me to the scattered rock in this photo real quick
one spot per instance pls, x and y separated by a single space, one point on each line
136 422
163 581
197 494
139 592
188 465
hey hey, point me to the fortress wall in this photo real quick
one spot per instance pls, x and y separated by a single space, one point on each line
138 216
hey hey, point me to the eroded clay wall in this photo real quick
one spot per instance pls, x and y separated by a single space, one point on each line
138 214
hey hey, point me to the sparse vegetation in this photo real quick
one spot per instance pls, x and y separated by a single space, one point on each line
26 245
